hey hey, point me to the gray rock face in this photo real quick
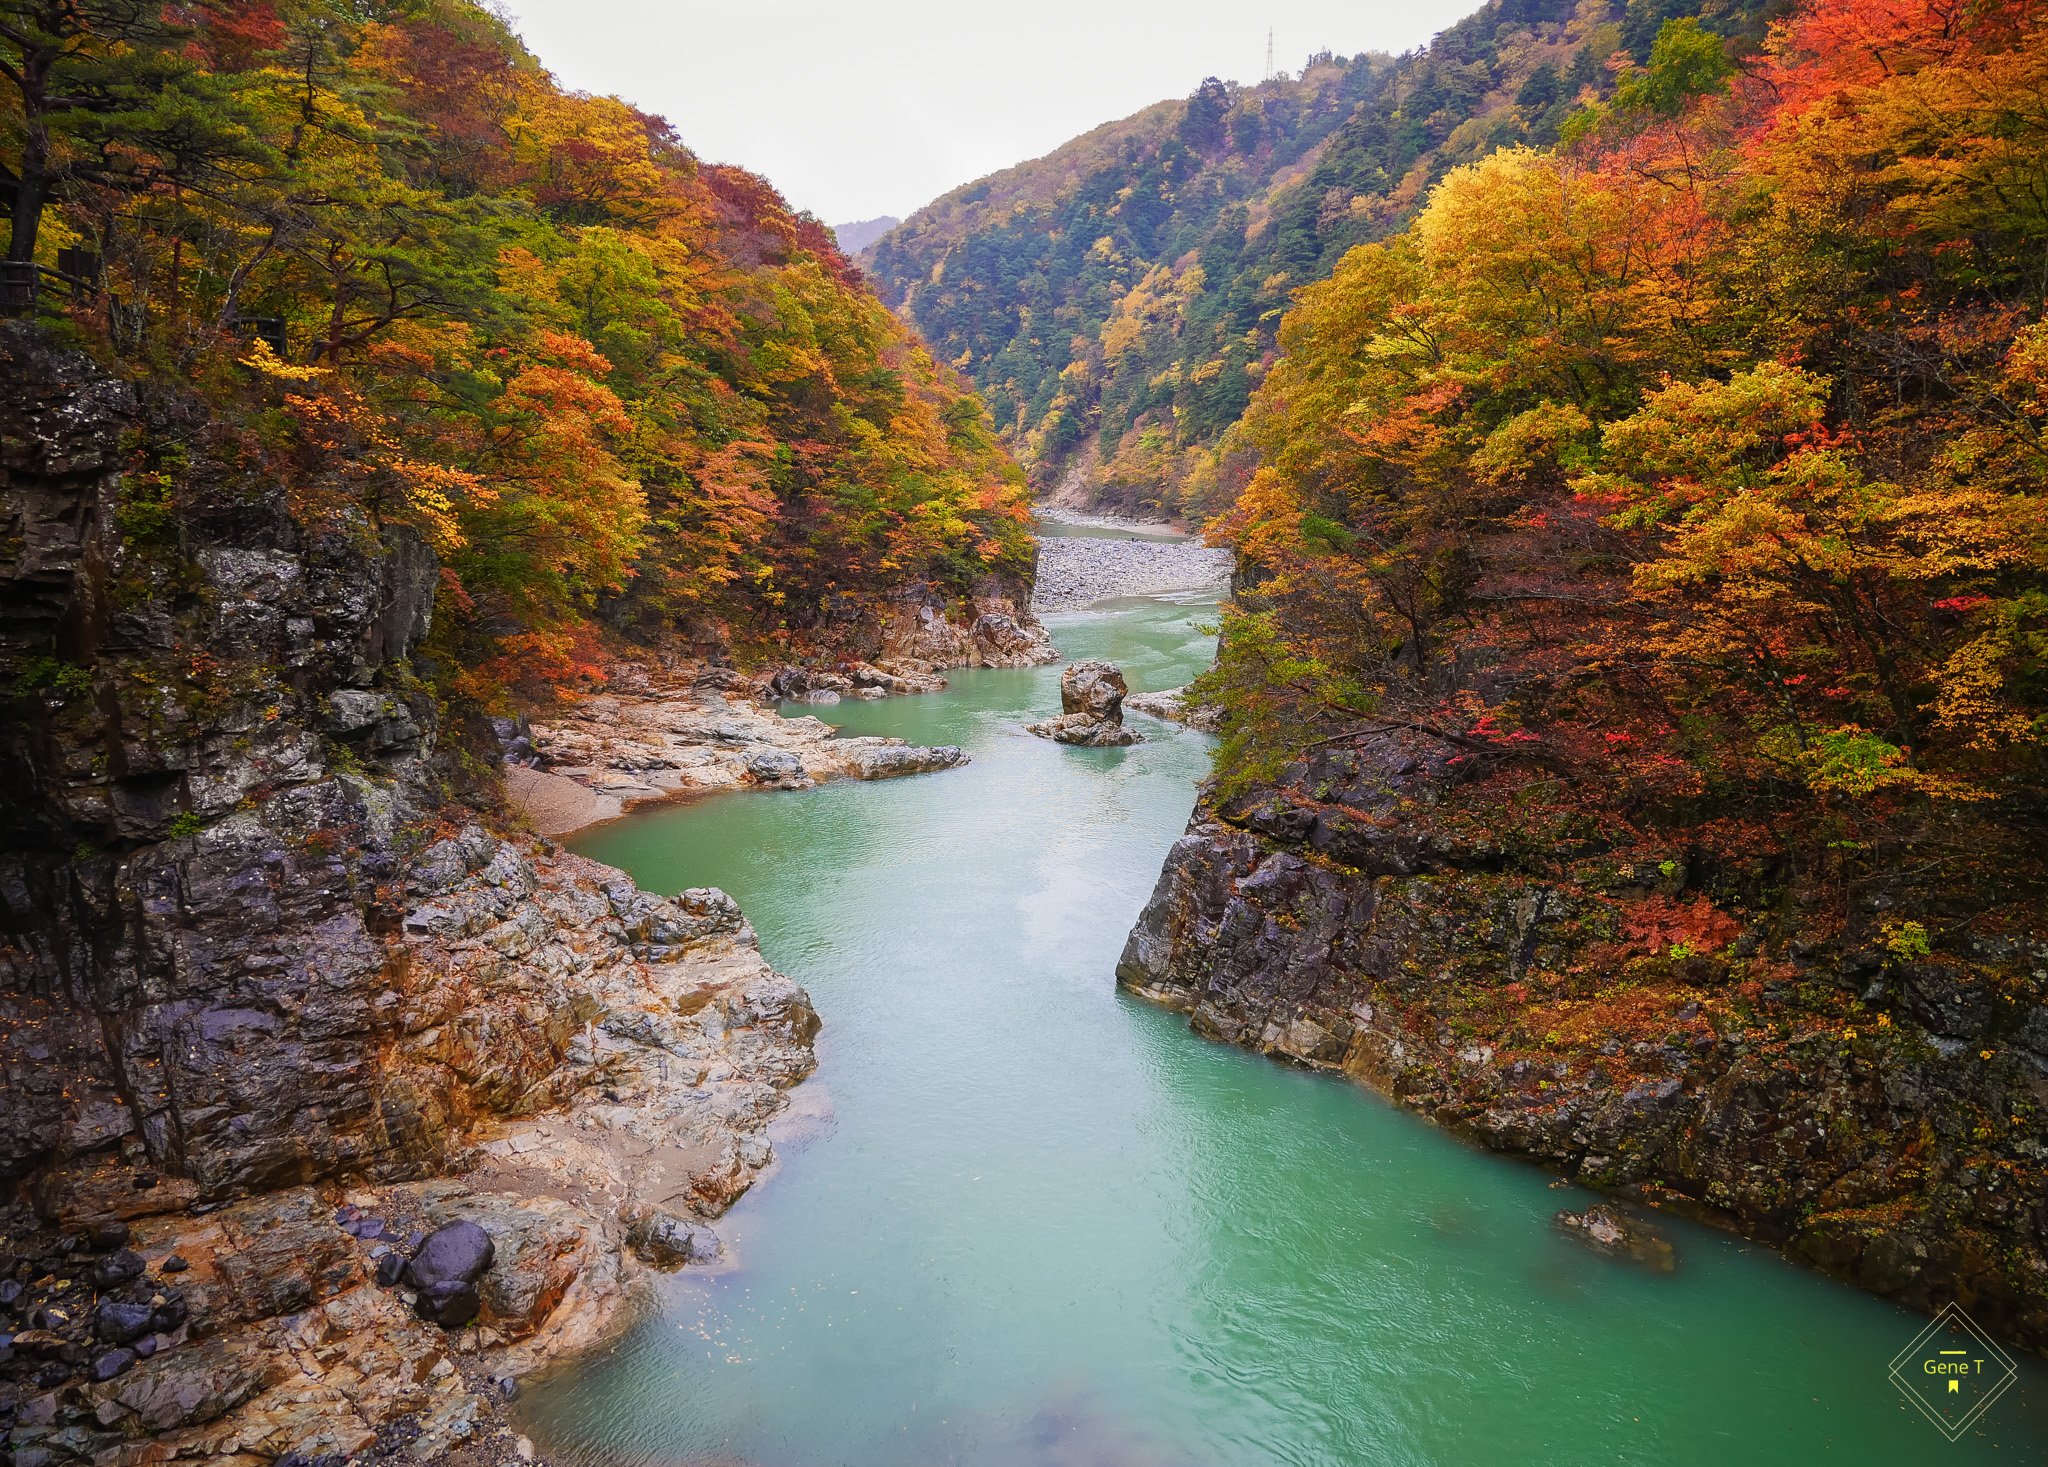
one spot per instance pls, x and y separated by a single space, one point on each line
667 1241
778 767
1092 709
1171 706
187 869
1337 920
243 949
917 625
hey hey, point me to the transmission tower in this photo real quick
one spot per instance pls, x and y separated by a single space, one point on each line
1269 53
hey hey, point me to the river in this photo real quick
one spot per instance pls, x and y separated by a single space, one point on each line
1021 1218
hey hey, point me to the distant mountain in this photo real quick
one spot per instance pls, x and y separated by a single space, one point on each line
853 238
1117 300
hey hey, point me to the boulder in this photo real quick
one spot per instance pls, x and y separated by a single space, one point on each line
667 1241
1094 688
540 1247
1609 1231
888 761
445 1270
120 1323
777 767
1092 709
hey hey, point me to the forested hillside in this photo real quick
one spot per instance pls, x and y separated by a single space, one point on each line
611 384
1642 638
1118 300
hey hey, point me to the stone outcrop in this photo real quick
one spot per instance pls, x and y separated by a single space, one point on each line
1091 709
1865 1108
683 735
1171 706
921 629
864 680
994 628
270 1005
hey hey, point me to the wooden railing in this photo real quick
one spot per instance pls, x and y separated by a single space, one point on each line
24 282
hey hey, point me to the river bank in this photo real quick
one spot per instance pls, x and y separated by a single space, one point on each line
1026 1220
696 730
1121 558
276 1007
1793 1082
673 730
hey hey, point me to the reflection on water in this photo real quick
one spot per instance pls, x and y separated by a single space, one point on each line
1030 1220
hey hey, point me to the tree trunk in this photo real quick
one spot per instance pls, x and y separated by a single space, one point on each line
34 189
29 199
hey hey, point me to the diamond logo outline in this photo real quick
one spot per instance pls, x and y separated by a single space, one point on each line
1951 1316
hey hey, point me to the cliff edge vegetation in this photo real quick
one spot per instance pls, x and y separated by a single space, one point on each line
1634 699
614 387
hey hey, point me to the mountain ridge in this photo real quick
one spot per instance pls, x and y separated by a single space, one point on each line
854 237
1117 300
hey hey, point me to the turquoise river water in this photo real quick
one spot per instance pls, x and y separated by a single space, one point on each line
1022 1219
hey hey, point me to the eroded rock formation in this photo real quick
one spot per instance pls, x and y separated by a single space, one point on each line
1795 1079
1091 709
262 983
994 629
1171 706
662 734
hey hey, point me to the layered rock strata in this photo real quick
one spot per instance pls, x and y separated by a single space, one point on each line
271 1005
1789 1074
602 755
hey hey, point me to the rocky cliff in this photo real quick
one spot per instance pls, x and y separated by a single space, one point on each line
1800 1077
261 981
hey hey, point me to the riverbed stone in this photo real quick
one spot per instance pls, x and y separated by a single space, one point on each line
1091 704
1074 571
1609 1231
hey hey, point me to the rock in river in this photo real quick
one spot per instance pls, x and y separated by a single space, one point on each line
1092 709
1172 706
1612 1232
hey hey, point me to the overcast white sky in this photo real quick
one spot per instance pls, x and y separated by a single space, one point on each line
859 109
